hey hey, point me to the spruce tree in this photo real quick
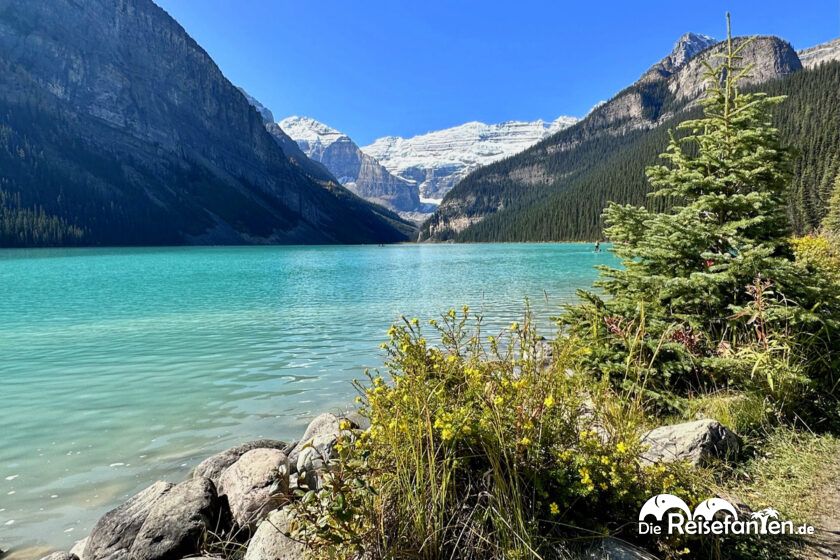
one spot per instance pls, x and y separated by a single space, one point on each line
728 175
831 222
692 275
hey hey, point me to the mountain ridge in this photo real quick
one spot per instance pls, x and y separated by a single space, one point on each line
116 121
438 159
354 169
664 90
820 54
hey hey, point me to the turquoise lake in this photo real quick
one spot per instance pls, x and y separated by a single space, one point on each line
119 367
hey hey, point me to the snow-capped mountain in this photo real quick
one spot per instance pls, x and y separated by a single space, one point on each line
309 166
825 52
354 169
437 160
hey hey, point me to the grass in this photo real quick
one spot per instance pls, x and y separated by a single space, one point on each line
743 413
794 471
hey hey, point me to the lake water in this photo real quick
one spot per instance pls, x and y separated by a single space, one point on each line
119 367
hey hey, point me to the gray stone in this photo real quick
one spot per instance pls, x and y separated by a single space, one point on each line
357 420
60 556
270 541
310 463
79 548
615 549
214 466
255 484
114 533
326 424
696 442
179 521
322 428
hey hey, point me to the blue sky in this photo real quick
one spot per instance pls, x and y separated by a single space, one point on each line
373 68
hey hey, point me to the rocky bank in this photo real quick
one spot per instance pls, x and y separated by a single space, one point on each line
237 499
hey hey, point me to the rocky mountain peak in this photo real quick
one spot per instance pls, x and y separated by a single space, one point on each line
312 136
145 142
354 169
688 46
437 160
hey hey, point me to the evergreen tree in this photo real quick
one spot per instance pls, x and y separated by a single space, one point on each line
831 222
729 174
716 270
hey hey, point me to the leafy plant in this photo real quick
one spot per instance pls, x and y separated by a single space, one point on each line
481 449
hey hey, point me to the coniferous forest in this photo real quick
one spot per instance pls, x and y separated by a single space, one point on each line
612 168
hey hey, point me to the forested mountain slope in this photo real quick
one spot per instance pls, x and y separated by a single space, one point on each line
117 128
557 189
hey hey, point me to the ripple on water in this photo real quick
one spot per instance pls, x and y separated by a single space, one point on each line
126 366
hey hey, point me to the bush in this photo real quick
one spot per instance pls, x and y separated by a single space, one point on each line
481 450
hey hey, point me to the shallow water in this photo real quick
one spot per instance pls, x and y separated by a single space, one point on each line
119 367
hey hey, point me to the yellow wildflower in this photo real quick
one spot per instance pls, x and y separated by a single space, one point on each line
554 508
621 447
549 401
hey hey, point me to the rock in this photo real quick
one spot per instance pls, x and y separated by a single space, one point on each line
696 442
114 533
60 556
357 420
310 463
178 522
270 541
79 548
614 549
214 466
356 170
255 484
324 427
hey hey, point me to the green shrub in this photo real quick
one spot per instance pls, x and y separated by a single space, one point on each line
478 448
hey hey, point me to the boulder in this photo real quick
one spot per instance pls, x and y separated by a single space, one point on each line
214 466
255 484
79 549
697 442
60 556
178 522
324 427
270 541
310 464
114 533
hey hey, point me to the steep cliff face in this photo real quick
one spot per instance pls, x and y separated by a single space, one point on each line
771 57
668 88
115 120
678 79
354 169
312 168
